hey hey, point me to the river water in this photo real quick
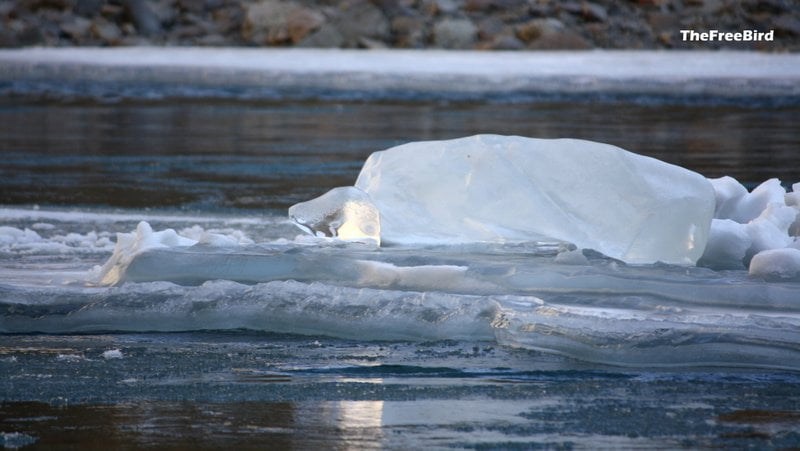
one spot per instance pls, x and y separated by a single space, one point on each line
516 352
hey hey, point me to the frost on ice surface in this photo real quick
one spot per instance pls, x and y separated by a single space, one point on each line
509 188
346 212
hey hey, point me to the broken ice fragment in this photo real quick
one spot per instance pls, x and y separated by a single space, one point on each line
727 245
734 202
510 188
345 212
776 264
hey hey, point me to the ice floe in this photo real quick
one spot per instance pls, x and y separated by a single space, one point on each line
510 188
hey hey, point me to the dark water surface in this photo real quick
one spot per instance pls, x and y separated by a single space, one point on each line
254 155
233 389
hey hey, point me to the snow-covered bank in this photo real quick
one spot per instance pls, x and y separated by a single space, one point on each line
430 73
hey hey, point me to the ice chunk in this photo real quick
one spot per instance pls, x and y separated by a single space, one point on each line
770 229
727 245
571 257
112 354
729 193
793 200
12 236
776 264
216 237
129 245
510 188
734 202
347 213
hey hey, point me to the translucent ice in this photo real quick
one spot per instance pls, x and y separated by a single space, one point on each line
508 188
345 212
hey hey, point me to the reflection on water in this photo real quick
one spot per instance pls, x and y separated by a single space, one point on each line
257 155
379 424
186 391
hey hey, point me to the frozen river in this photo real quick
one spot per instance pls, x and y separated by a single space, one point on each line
513 349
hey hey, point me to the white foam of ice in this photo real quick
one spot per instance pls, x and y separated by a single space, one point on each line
111 217
29 242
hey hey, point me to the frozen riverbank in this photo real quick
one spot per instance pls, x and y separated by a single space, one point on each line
433 74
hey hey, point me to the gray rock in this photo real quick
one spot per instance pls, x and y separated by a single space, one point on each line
6 7
106 31
356 19
786 25
562 40
368 43
26 34
228 19
165 11
88 8
444 6
77 28
490 27
502 42
492 5
192 6
536 28
593 11
587 10
147 23
112 12
410 32
265 22
211 40
279 22
661 22
7 38
454 34
301 22
551 34
326 37
35 5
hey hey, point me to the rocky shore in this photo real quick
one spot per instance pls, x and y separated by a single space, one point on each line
448 24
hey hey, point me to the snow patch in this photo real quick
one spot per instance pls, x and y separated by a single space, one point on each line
112 354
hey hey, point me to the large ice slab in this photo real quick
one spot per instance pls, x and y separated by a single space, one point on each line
510 188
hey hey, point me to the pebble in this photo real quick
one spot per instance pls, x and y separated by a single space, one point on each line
452 24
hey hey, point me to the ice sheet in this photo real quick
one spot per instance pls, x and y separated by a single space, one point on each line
574 302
